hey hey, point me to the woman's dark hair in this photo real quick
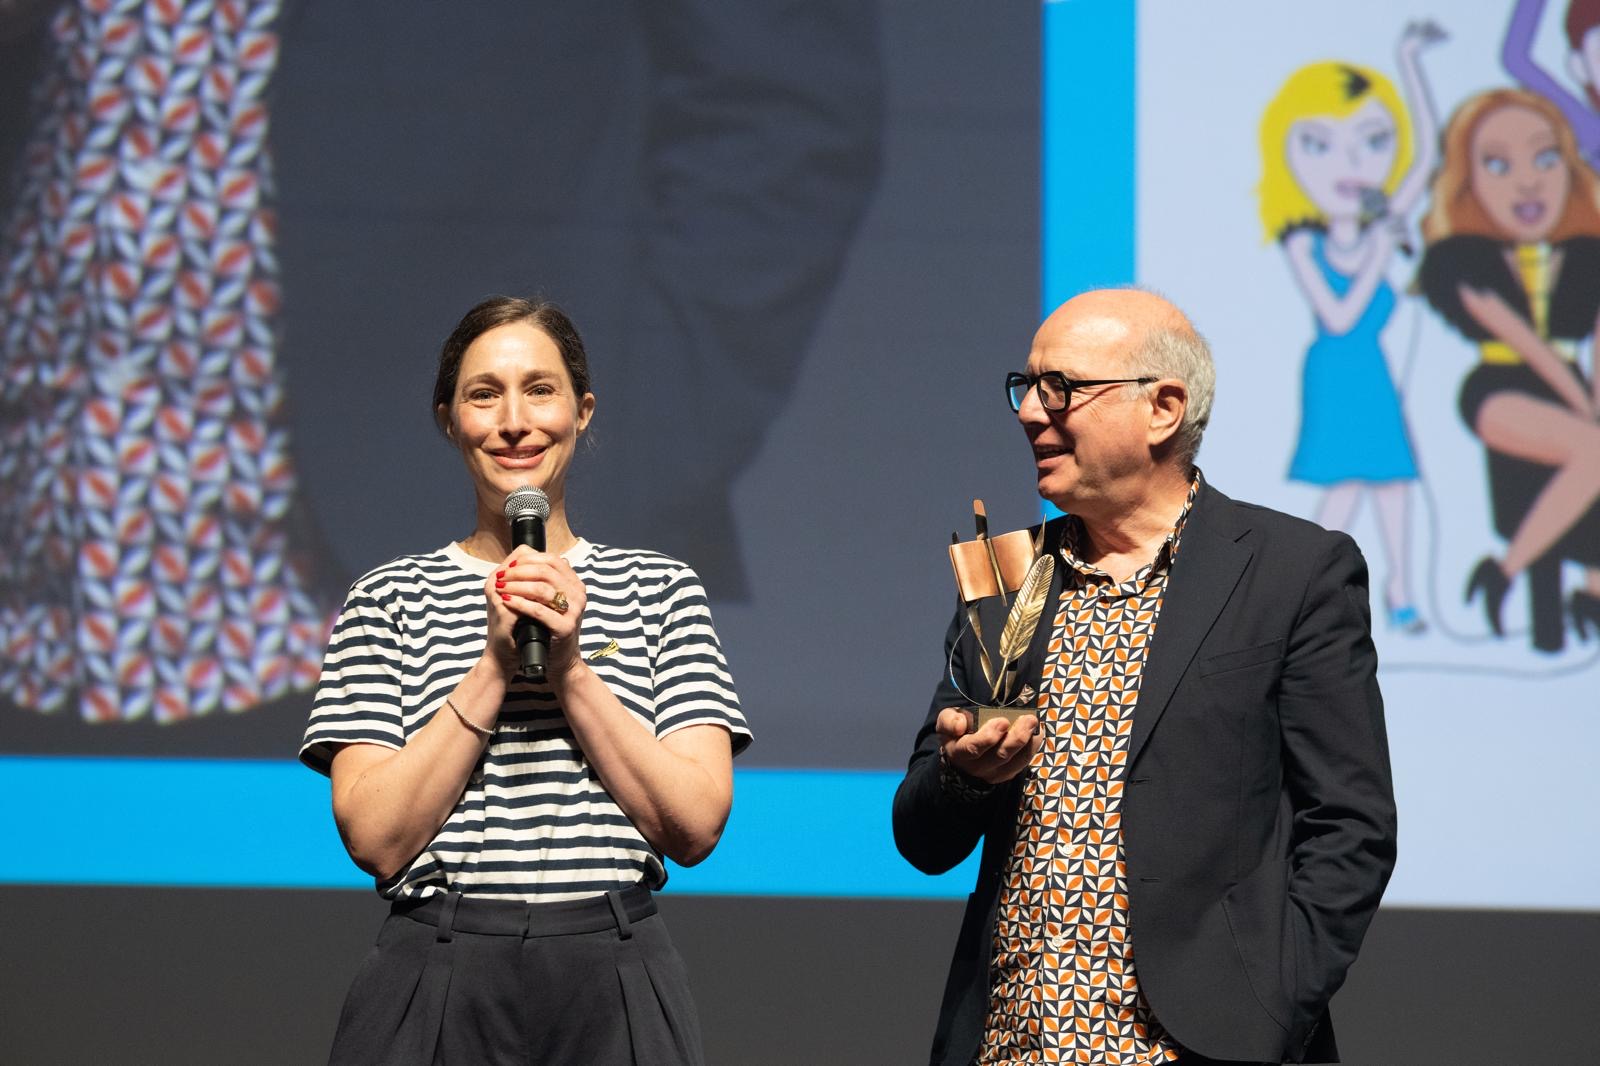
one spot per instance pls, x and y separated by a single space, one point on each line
503 311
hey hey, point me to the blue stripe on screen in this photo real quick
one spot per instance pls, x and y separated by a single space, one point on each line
1088 189
266 824
1087 200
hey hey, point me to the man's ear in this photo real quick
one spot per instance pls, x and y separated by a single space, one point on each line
1169 398
441 415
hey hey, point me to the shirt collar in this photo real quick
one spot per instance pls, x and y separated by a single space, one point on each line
1072 538
453 551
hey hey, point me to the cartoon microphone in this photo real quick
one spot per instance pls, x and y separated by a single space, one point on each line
1375 208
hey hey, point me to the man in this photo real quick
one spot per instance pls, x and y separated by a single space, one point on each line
1183 845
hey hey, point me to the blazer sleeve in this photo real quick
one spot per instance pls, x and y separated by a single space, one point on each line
1336 767
934 828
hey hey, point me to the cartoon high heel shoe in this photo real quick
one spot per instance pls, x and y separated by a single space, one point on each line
1488 578
1584 607
1406 618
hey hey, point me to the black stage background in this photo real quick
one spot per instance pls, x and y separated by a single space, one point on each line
134 976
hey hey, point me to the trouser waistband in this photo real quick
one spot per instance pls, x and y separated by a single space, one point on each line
451 912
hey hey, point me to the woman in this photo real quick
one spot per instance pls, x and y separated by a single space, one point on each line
519 827
1513 263
1338 179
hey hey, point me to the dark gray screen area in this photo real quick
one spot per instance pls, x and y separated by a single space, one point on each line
247 978
802 244
831 449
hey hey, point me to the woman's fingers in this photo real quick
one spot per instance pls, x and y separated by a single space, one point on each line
542 587
539 591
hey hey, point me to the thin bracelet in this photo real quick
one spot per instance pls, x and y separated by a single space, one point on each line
469 723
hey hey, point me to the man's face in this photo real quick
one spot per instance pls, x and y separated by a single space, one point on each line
1086 453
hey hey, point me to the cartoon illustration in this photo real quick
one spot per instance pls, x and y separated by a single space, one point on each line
1338 178
1513 263
1582 25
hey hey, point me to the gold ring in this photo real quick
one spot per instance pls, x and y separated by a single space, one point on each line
559 603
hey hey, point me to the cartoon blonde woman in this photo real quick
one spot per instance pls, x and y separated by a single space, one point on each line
1341 169
1513 263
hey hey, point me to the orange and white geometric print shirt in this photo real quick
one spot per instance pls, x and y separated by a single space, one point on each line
1063 985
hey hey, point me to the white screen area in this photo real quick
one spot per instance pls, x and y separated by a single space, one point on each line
1493 742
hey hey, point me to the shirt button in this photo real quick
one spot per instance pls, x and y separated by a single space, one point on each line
1058 942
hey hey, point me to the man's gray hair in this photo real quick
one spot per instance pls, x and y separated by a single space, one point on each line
1185 355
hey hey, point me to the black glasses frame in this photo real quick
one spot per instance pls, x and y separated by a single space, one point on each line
1066 385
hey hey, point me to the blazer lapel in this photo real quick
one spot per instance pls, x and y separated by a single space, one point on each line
1208 566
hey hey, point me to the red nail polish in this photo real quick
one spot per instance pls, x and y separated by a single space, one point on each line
503 596
500 575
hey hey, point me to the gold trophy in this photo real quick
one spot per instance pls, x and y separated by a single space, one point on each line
1014 567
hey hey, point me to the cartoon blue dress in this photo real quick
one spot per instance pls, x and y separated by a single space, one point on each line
1351 425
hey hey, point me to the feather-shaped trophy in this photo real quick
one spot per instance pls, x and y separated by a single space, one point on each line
1021 621
987 567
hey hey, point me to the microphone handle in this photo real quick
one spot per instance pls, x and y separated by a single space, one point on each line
532 638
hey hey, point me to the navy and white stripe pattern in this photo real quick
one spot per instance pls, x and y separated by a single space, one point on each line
534 822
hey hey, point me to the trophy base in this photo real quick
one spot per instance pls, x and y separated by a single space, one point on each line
978 717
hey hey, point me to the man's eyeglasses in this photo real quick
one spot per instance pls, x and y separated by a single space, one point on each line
1055 388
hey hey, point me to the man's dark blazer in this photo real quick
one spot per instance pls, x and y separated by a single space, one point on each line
1258 813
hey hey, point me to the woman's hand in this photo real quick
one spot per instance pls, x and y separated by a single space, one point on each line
1420 35
1408 193
545 588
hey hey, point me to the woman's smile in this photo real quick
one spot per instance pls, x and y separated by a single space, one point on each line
517 458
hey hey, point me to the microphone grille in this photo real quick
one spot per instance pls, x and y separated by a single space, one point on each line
527 501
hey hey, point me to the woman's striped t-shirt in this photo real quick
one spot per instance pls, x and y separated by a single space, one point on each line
534 823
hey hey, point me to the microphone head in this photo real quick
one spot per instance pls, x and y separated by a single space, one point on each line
1374 204
527 502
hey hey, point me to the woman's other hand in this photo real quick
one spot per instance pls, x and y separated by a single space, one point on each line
542 587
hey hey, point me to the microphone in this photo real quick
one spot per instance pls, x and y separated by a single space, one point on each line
1375 208
527 508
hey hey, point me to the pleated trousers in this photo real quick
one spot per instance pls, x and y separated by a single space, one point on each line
455 980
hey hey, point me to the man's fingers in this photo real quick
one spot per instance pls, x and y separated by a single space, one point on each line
1017 738
996 752
977 745
951 723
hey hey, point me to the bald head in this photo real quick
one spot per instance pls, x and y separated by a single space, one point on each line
1144 335
1120 319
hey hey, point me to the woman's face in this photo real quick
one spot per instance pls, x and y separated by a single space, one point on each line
515 416
1518 175
1336 160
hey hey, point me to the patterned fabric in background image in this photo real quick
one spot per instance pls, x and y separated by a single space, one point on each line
146 488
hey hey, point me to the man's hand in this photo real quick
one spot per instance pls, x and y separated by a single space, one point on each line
997 752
